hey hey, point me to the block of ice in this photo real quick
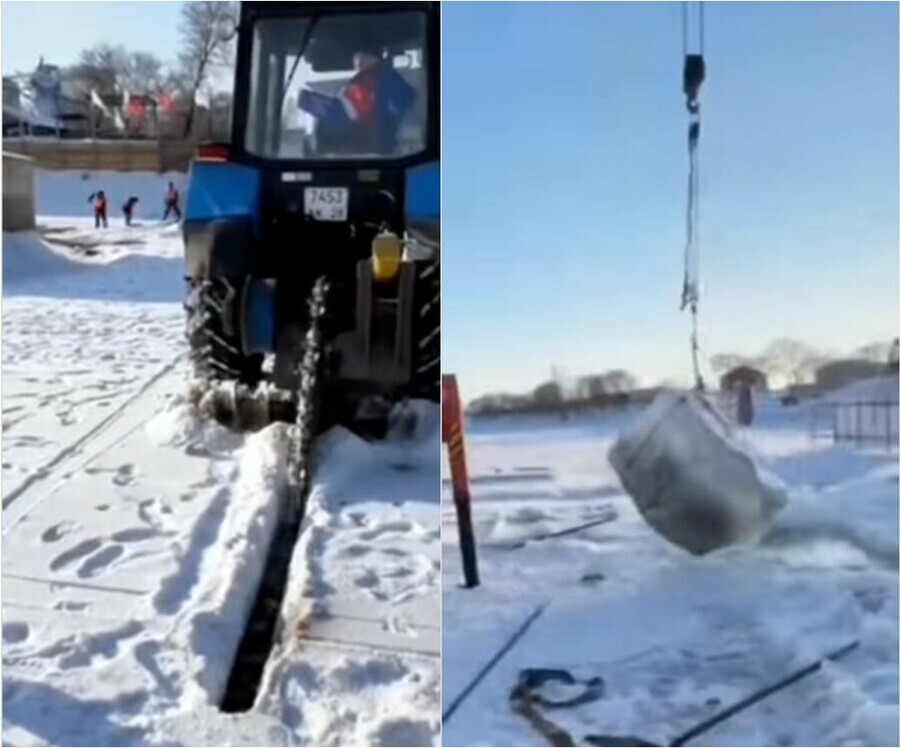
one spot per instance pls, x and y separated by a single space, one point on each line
691 479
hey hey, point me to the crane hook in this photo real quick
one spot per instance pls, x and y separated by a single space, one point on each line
694 75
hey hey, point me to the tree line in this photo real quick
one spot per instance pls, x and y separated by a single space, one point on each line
110 70
786 362
608 389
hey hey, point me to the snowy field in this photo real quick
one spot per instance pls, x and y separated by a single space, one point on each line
134 534
675 638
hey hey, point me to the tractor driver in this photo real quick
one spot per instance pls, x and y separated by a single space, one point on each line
367 113
377 98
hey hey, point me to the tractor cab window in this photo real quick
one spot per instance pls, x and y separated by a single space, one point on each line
338 87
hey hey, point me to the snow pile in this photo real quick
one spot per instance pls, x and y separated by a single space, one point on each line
858 518
180 425
221 594
27 257
366 700
65 193
689 477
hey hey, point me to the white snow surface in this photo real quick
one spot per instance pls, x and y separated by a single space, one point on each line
676 638
135 533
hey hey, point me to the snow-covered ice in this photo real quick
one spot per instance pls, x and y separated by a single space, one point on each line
675 638
134 533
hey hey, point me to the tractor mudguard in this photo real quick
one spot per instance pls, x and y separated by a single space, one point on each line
218 247
221 219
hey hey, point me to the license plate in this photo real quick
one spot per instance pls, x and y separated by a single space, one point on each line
326 203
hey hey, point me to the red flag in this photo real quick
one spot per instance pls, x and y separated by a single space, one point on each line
167 102
136 110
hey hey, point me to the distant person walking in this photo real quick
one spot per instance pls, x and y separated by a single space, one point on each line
128 209
172 199
745 404
98 201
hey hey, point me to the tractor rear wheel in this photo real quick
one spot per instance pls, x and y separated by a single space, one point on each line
213 333
426 359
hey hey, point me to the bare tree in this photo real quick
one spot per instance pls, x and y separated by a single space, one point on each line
221 106
619 381
204 28
723 362
548 394
106 68
567 385
592 386
792 359
144 74
99 68
874 352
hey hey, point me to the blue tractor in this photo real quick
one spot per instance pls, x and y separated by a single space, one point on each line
312 235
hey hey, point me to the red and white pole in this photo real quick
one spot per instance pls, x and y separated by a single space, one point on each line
452 436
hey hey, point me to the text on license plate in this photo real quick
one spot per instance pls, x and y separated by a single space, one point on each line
326 203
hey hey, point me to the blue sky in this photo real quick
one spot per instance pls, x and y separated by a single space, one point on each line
564 175
564 170
60 30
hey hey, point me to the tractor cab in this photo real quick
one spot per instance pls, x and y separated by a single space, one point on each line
351 86
331 172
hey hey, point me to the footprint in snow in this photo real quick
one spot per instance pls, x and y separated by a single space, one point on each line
57 531
152 658
431 536
397 625
15 632
403 732
355 551
124 475
357 674
367 580
399 572
358 518
386 527
99 561
71 605
144 511
75 553
134 534
80 650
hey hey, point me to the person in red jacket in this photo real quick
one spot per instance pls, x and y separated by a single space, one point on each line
377 98
98 202
366 115
172 198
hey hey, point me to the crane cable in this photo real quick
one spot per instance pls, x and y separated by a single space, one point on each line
694 74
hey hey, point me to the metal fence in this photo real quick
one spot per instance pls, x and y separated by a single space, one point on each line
863 422
105 155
